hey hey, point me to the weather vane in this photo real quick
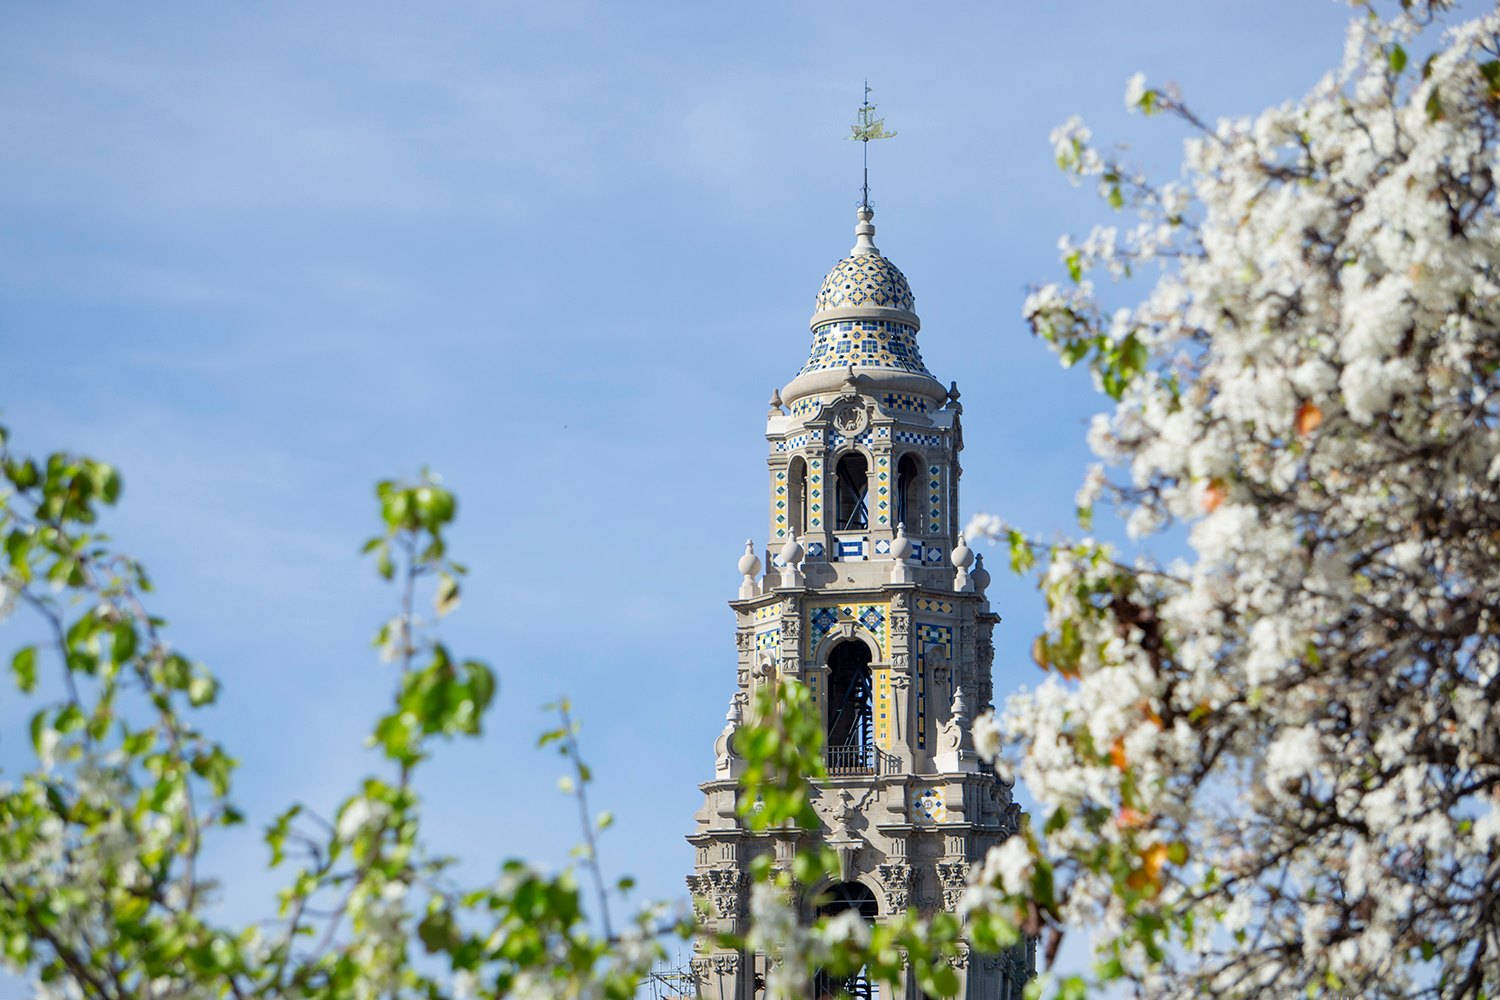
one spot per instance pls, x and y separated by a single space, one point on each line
865 128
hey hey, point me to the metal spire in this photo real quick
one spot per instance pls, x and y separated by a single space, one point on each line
865 128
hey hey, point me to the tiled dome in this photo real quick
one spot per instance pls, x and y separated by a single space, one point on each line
865 279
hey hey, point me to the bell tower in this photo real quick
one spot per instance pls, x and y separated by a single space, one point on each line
873 600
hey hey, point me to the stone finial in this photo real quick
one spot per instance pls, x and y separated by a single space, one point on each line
900 549
953 394
791 563
864 232
727 762
749 565
962 558
955 740
775 403
981 576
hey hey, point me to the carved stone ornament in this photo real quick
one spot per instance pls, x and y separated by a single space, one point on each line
791 627
744 641
851 419
961 960
727 963
726 889
955 878
703 967
899 601
896 880
698 886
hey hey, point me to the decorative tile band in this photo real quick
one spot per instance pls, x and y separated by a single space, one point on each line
935 497
883 707
779 502
882 489
814 494
806 406
928 635
766 612
871 343
932 604
851 550
924 440
838 440
768 639
815 550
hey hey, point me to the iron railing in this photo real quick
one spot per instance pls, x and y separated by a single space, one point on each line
859 758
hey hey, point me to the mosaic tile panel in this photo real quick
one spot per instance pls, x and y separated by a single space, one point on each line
768 639
927 803
883 489
883 547
933 604
766 612
864 279
823 617
935 498
928 634
814 494
851 550
893 401
871 343
815 550
932 555
779 502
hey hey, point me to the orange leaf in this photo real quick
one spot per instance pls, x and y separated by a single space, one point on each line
1129 817
1117 753
1150 713
1309 418
1154 857
1213 496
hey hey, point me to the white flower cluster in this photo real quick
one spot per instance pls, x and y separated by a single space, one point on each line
1295 730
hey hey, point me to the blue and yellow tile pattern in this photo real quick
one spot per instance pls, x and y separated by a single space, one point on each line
867 342
866 279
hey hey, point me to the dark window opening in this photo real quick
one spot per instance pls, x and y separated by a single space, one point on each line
851 742
835 900
797 498
909 493
851 513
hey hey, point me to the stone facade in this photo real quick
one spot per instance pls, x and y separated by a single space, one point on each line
882 599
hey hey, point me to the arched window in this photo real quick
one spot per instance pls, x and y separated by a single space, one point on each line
909 493
835 900
850 512
796 515
851 745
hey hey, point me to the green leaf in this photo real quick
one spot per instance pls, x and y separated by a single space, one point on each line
24 666
1491 71
1434 106
1398 58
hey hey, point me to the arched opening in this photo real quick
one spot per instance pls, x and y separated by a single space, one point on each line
851 743
834 900
909 493
796 515
850 510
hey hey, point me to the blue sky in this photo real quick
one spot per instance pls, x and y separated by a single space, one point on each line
261 255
